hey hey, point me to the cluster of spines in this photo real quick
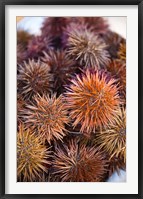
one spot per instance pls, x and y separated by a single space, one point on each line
71 84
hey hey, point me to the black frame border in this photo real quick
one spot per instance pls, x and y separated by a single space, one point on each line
3 3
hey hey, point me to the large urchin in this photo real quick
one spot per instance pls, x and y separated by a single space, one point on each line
88 49
34 78
93 100
48 116
32 155
75 163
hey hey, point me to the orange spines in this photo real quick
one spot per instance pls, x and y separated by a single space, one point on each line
93 100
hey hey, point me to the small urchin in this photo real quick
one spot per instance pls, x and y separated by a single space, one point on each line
48 116
122 51
113 139
32 155
34 78
93 100
75 163
87 48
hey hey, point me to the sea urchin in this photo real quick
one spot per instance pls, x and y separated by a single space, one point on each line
87 48
93 100
77 163
48 115
34 78
31 155
113 139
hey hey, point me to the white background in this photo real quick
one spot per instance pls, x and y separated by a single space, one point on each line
131 184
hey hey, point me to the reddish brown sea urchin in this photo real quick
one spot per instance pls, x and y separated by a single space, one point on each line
93 100
62 67
32 155
48 115
113 41
77 163
34 78
87 48
118 70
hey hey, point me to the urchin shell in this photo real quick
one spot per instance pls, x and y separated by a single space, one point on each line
34 78
113 139
61 66
93 100
76 163
47 115
32 156
88 49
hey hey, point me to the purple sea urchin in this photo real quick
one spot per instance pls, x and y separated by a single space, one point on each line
93 100
96 24
37 45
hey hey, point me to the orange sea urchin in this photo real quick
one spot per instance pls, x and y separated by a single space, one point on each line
93 100
77 163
